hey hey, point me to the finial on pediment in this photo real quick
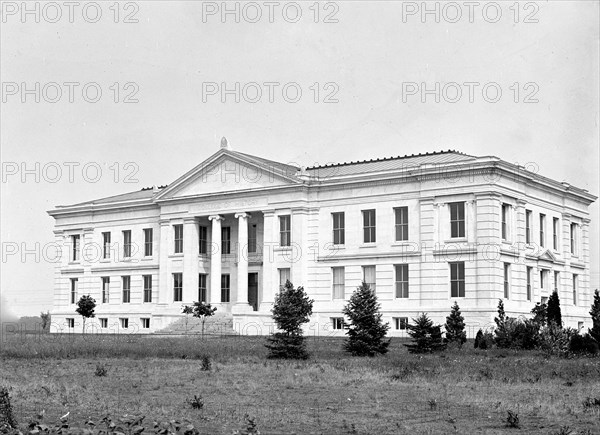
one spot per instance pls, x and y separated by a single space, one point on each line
224 143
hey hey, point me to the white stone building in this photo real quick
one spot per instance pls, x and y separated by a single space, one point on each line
424 230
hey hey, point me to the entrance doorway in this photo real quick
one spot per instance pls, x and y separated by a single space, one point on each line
253 290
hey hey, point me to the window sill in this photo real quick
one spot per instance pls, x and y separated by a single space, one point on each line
178 255
368 245
75 263
282 248
105 260
456 240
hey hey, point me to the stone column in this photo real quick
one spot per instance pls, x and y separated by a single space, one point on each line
190 260
164 277
269 281
215 260
240 298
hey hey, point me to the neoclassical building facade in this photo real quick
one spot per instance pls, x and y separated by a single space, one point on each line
423 230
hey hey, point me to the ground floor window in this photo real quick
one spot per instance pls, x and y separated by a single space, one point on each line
124 322
457 279
202 287
401 280
145 322
103 322
369 276
337 322
401 323
177 287
70 323
225 288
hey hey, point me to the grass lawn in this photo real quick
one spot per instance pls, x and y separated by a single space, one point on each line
463 391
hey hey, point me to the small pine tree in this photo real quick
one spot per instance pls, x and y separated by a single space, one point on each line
502 337
553 310
478 339
291 309
426 336
455 326
85 308
366 331
540 314
595 313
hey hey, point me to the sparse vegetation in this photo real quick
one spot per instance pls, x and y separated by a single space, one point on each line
426 336
595 314
101 370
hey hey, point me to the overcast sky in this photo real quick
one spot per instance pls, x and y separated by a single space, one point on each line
365 66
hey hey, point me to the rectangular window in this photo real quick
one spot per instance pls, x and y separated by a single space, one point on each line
203 240
70 323
401 215
202 293
369 276
75 246
145 323
401 280
339 228
556 281
148 236
285 230
529 275
103 322
124 322
105 289
178 238
457 219
574 289
337 322
573 237
284 276
542 278
226 240
555 233
369 233
147 288
528 226
457 279
177 287
105 245
401 323
126 280
225 288
252 239
505 217
506 280
544 300
339 282
542 229
74 286
127 243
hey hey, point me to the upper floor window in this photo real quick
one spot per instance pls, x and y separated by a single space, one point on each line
285 230
202 240
401 216
506 280
505 219
339 231
178 238
457 279
457 219
573 237
75 239
127 243
105 289
126 289
177 287
339 282
574 289
543 278
555 233
106 245
542 230
147 288
528 226
401 280
369 276
369 233
74 287
556 281
148 236
226 240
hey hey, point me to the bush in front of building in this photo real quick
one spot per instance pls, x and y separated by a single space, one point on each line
85 308
595 313
426 336
555 340
366 330
484 340
455 327
583 344
292 308
553 312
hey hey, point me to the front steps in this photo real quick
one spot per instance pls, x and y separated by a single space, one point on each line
218 324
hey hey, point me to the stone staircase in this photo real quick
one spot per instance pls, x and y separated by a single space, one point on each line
218 324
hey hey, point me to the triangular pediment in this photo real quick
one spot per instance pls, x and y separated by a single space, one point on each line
547 255
228 171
